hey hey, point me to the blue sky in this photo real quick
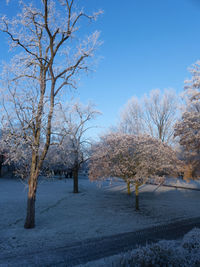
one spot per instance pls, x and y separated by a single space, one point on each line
148 44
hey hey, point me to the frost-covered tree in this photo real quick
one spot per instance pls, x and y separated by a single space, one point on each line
188 128
50 52
133 158
160 114
154 115
73 123
132 118
59 159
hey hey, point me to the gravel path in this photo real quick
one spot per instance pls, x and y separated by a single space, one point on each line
93 249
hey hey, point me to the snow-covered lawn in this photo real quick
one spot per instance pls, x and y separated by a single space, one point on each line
192 184
63 217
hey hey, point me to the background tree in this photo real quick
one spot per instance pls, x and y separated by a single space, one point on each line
132 118
154 115
73 122
187 129
133 158
161 114
50 53
59 160
16 135
76 123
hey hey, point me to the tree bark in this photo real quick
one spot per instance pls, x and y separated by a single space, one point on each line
75 178
30 215
188 172
136 197
1 162
128 188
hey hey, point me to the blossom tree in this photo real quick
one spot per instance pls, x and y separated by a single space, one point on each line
187 129
136 159
50 52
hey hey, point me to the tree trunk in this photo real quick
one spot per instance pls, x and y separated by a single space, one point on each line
128 188
1 162
188 172
136 197
30 215
75 177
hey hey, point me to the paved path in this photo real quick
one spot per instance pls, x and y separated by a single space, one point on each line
93 249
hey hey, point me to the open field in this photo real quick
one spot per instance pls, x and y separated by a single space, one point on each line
63 217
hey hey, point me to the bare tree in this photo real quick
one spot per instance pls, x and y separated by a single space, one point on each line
160 114
75 123
50 55
154 115
131 118
59 159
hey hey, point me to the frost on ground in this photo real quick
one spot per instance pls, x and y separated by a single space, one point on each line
63 217
164 253
192 184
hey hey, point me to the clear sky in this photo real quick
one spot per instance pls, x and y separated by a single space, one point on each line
148 44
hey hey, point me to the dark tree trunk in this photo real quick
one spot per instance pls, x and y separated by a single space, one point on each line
1 162
75 177
136 203
136 197
30 215
128 188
